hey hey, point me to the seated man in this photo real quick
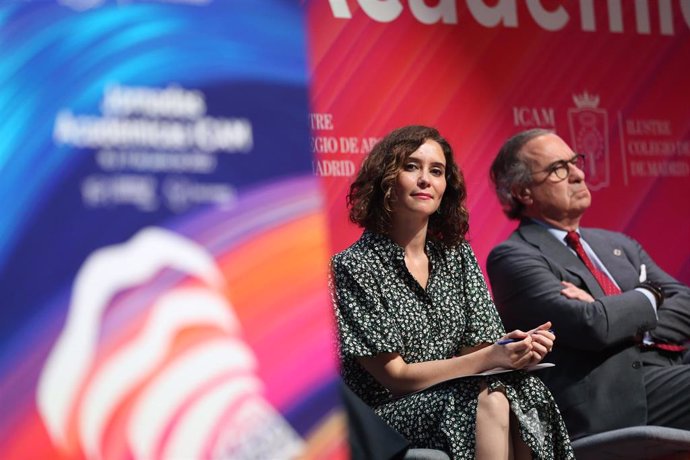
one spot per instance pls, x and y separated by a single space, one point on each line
622 323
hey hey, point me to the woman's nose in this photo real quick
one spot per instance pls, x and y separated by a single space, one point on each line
423 178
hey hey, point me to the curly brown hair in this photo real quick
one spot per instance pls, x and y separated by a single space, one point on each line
371 194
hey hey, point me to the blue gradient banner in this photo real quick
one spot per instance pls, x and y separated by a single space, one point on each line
162 234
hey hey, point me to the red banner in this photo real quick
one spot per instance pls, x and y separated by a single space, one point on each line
609 77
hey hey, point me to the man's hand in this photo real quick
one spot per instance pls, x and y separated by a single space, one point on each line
573 292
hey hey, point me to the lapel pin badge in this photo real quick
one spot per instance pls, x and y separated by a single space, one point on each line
617 252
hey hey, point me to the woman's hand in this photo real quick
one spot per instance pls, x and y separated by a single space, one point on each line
516 354
528 349
573 292
525 349
542 342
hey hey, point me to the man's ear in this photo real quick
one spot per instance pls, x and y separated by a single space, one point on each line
523 195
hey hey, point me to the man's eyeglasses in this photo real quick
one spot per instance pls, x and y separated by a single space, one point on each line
561 168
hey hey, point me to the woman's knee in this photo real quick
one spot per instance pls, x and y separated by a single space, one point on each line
495 405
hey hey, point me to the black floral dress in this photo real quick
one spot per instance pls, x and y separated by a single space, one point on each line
380 308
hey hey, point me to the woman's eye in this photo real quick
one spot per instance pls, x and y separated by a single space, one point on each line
437 172
410 167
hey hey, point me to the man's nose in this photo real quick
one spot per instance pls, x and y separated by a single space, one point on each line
576 174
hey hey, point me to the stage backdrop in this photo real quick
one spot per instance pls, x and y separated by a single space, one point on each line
163 250
610 77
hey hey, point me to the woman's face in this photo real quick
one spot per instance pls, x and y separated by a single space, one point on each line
421 182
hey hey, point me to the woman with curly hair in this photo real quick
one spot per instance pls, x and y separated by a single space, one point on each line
416 322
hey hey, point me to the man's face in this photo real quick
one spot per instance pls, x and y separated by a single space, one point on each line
560 202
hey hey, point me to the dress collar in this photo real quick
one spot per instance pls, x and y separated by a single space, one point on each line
392 250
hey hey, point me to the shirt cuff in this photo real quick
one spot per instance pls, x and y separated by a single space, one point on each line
650 297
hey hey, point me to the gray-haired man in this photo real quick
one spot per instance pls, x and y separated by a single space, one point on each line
622 323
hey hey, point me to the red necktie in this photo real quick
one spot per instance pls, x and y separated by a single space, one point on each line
573 240
609 288
669 347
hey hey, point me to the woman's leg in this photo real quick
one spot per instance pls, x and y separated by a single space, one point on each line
492 435
520 450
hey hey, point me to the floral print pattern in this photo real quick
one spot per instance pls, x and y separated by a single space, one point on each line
380 308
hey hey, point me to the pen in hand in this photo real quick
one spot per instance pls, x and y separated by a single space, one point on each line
507 341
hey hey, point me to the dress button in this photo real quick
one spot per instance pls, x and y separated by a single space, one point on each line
636 364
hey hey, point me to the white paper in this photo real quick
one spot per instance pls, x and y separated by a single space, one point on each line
495 370
501 370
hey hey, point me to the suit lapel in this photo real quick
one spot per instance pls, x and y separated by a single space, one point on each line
613 257
538 236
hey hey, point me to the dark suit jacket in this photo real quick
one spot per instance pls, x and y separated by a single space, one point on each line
598 380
